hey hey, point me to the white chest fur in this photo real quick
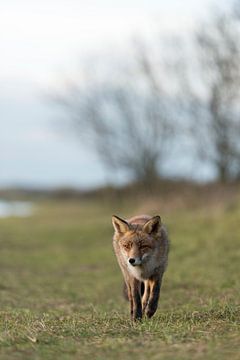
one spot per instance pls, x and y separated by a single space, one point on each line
136 271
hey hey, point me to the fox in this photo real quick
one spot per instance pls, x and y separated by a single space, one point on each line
141 246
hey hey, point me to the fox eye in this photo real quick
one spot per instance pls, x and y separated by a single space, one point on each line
127 246
145 247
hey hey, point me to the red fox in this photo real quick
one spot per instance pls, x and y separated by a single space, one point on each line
141 246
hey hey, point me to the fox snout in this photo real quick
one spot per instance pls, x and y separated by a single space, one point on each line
135 261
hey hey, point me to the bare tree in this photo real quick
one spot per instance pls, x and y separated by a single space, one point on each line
213 93
125 119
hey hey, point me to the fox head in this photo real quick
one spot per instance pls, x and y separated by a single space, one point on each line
137 242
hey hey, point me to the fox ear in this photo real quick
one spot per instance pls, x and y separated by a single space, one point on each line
153 225
120 225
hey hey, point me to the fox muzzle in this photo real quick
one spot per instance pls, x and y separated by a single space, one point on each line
135 261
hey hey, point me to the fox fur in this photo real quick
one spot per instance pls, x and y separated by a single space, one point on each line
141 246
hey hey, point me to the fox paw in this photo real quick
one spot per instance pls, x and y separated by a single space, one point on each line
150 312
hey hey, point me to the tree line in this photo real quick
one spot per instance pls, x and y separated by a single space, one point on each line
163 99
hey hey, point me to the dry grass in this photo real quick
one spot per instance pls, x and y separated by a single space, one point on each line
61 287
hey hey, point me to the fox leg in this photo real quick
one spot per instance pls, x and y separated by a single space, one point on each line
129 296
155 286
136 305
125 291
146 295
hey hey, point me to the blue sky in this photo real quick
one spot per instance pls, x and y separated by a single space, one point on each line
43 42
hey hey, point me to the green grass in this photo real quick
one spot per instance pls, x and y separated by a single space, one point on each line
60 286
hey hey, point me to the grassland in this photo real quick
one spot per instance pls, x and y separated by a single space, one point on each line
60 286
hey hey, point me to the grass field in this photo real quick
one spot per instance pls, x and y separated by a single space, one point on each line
61 288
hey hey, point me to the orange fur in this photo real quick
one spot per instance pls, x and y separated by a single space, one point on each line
141 246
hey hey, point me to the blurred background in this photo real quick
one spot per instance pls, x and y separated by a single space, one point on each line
118 107
108 93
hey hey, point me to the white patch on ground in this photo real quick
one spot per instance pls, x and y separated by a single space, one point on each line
15 208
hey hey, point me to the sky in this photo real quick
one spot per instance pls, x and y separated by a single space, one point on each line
41 43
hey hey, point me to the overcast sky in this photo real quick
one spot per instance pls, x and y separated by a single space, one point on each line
41 42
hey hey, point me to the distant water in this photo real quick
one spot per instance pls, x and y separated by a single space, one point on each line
15 208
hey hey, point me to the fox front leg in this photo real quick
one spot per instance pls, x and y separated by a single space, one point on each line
136 312
130 298
146 295
152 305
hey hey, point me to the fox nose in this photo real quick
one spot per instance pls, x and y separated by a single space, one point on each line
131 261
